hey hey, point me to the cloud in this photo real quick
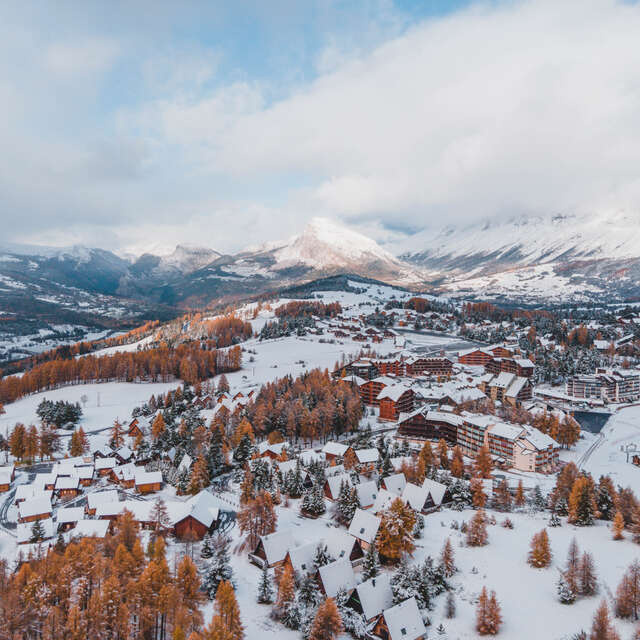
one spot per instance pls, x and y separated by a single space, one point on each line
88 56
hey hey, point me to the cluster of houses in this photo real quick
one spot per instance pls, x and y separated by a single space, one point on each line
605 385
346 549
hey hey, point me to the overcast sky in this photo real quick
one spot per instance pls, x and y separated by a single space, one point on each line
137 125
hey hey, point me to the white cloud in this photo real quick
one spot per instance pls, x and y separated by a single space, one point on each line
83 57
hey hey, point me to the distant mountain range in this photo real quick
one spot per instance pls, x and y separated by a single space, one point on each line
533 260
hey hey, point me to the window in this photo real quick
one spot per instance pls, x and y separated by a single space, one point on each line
361 529
403 631
304 566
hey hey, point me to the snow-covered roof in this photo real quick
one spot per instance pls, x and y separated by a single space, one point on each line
43 479
275 448
506 430
516 386
336 470
367 455
395 483
538 439
101 497
35 506
24 530
276 545
5 476
66 515
383 500
202 507
309 456
66 482
367 493
334 483
28 491
105 463
404 621
415 496
339 543
125 472
185 463
302 557
393 392
337 575
84 473
147 477
335 448
435 489
375 595
90 529
364 525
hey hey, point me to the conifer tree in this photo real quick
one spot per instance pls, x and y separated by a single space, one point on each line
540 553
386 468
286 588
635 525
606 498
117 435
321 556
477 530
443 453
447 559
502 496
199 476
206 551
457 463
618 526
519 497
246 486
226 607
450 605
582 504
37 531
587 578
159 518
483 463
478 496
602 627
566 594
327 623
488 615
371 563
627 604
265 589
313 501
158 427
218 567
394 538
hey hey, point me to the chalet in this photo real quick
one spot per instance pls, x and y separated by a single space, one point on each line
124 455
272 451
135 429
68 517
271 550
90 529
367 458
35 509
102 452
394 400
67 487
439 366
372 597
124 475
402 622
370 390
336 470
384 499
6 478
335 576
185 463
424 424
300 559
30 491
47 481
104 466
367 493
364 527
147 481
333 450
333 483
24 530
475 357
507 388
290 466
416 497
341 545
94 500
200 516
437 494
394 484
85 475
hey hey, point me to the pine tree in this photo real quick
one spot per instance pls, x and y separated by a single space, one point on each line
327 623
37 531
313 501
265 589
243 450
477 530
606 498
587 579
618 526
582 504
450 605
386 468
418 528
540 553
447 559
218 568
321 556
566 594
538 501
371 563
207 551
308 594
602 627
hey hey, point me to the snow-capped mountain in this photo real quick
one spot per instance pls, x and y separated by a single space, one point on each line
187 258
560 257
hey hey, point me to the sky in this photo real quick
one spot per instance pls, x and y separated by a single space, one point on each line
134 126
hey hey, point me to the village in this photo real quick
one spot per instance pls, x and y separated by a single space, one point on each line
434 435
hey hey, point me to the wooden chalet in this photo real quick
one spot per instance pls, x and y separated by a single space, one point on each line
332 485
68 517
200 517
35 509
372 597
394 483
67 486
147 481
364 527
439 366
475 357
334 450
394 400
271 550
402 622
134 430
103 466
7 476
335 576
94 500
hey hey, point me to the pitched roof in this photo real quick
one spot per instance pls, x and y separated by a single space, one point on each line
35 506
101 497
147 477
367 455
66 482
337 575
367 493
393 392
335 448
435 489
302 557
334 483
277 544
202 507
404 621
375 595
66 515
395 483
90 529
24 530
339 543
364 525
415 496
383 501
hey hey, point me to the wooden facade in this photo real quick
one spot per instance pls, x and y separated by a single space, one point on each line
391 408
190 529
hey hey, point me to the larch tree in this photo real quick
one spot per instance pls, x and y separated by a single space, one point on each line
618 526
602 627
627 603
117 435
519 499
327 623
158 427
226 607
488 615
540 552
443 453
447 559
199 478
582 502
587 577
477 530
457 463
395 538
257 518
286 588
483 463
159 518
478 496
